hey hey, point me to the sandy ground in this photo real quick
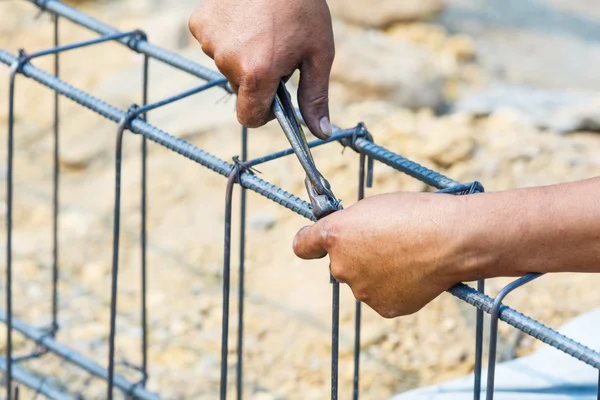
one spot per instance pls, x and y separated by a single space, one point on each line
288 301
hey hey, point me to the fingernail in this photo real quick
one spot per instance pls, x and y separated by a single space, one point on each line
325 126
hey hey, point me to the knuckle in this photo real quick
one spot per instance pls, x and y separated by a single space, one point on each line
207 47
339 271
329 233
254 73
387 313
361 295
221 59
195 24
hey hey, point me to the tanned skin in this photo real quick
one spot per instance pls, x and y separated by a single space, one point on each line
399 251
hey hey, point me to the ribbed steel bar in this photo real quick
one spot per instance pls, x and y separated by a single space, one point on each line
346 134
75 358
402 164
149 107
9 215
226 281
358 305
494 328
301 207
528 325
86 43
140 46
143 228
177 145
335 336
115 263
34 383
242 274
55 183
478 346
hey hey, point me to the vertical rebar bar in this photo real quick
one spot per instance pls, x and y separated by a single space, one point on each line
115 261
478 345
55 182
598 396
335 335
361 195
9 214
240 338
143 237
226 282
494 317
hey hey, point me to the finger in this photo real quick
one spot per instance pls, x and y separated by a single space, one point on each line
256 92
195 25
313 93
308 243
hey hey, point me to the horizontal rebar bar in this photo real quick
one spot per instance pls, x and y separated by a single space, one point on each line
528 325
402 164
34 383
180 146
79 45
65 352
140 46
278 195
177 97
419 172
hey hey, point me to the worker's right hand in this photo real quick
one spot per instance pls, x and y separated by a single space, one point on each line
256 43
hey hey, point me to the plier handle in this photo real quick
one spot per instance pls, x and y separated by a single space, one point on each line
322 199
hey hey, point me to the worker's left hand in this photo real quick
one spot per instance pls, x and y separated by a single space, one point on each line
397 252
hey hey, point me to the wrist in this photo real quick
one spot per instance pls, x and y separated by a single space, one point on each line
479 237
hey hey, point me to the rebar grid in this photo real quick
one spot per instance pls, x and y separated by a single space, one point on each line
239 172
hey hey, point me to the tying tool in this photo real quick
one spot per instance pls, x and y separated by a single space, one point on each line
321 197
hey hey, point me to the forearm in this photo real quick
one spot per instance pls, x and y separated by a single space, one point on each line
542 229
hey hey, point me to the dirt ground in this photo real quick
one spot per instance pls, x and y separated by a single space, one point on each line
287 322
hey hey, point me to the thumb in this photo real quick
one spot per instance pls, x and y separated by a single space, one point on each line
313 94
308 243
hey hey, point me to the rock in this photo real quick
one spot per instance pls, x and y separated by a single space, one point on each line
517 40
374 66
79 150
263 396
461 47
262 221
203 112
386 12
559 110
169 28
372 334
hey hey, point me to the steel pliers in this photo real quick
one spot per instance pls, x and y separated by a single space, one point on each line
322 199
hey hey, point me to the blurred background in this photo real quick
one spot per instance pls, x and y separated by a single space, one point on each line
506 92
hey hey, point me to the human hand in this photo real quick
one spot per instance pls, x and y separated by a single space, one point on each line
256 43
397 252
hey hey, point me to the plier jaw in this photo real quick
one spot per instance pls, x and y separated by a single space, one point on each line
322 204
321 197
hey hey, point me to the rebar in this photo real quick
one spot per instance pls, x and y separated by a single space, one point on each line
34 383
495 312
240 337
73 357
358 307
135 120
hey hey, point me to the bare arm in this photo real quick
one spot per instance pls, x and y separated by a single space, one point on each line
399 251
544 229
